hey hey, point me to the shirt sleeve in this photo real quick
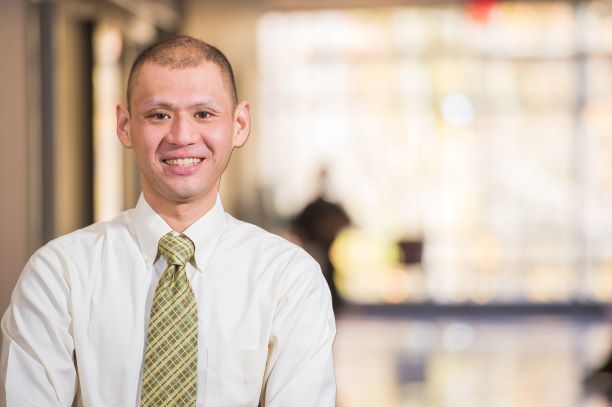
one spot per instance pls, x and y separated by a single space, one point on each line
36 365
300 369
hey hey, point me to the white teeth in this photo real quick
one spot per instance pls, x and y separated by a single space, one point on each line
183 162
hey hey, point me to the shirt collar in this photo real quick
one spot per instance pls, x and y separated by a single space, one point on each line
204 232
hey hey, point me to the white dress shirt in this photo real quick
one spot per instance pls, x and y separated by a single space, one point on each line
79 313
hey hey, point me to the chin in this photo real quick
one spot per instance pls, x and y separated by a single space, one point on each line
184 195
181 192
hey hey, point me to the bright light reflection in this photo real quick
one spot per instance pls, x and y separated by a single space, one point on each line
457 109
108 153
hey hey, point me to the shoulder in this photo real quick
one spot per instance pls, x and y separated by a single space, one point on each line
276 254
95 231
256 238
79 246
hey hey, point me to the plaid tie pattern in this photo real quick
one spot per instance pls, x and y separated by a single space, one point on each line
170 365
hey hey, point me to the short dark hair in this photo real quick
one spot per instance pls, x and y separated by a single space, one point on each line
179 53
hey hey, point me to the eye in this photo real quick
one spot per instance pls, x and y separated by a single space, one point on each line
202 115
159 116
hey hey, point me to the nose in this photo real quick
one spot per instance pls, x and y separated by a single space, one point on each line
182 131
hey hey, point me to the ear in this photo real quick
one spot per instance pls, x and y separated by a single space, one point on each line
242 124
123 125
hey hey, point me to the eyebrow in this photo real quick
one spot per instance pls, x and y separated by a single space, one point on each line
156 103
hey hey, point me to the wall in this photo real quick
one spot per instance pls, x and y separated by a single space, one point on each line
15 165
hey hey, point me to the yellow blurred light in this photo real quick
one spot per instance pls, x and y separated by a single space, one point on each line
601 283
548 284
393 285
364 267
483 294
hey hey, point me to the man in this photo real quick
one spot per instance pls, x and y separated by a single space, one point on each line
172 303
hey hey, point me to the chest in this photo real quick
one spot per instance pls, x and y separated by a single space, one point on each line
235 314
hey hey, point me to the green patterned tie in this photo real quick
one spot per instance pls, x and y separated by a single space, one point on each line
170 366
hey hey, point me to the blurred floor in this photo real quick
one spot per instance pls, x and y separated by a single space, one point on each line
484 361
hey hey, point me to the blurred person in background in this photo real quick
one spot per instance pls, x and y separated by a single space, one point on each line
173 302
317 226
600 379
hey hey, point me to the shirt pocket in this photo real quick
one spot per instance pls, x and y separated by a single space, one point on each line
234 376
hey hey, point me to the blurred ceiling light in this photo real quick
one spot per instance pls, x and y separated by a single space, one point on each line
480 10
457 109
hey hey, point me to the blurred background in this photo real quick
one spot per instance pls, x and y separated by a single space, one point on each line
449 163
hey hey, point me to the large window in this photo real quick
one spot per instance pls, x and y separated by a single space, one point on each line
483 130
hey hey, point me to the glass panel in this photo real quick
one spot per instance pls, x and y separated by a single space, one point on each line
471 129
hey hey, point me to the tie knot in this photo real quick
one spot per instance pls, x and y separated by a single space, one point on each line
176 249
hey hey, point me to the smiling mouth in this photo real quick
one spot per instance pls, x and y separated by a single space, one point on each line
183 162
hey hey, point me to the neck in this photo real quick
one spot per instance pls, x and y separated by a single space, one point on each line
180 215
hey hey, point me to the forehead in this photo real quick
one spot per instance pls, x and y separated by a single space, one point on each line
157 80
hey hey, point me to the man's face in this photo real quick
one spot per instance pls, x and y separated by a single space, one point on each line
182 125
